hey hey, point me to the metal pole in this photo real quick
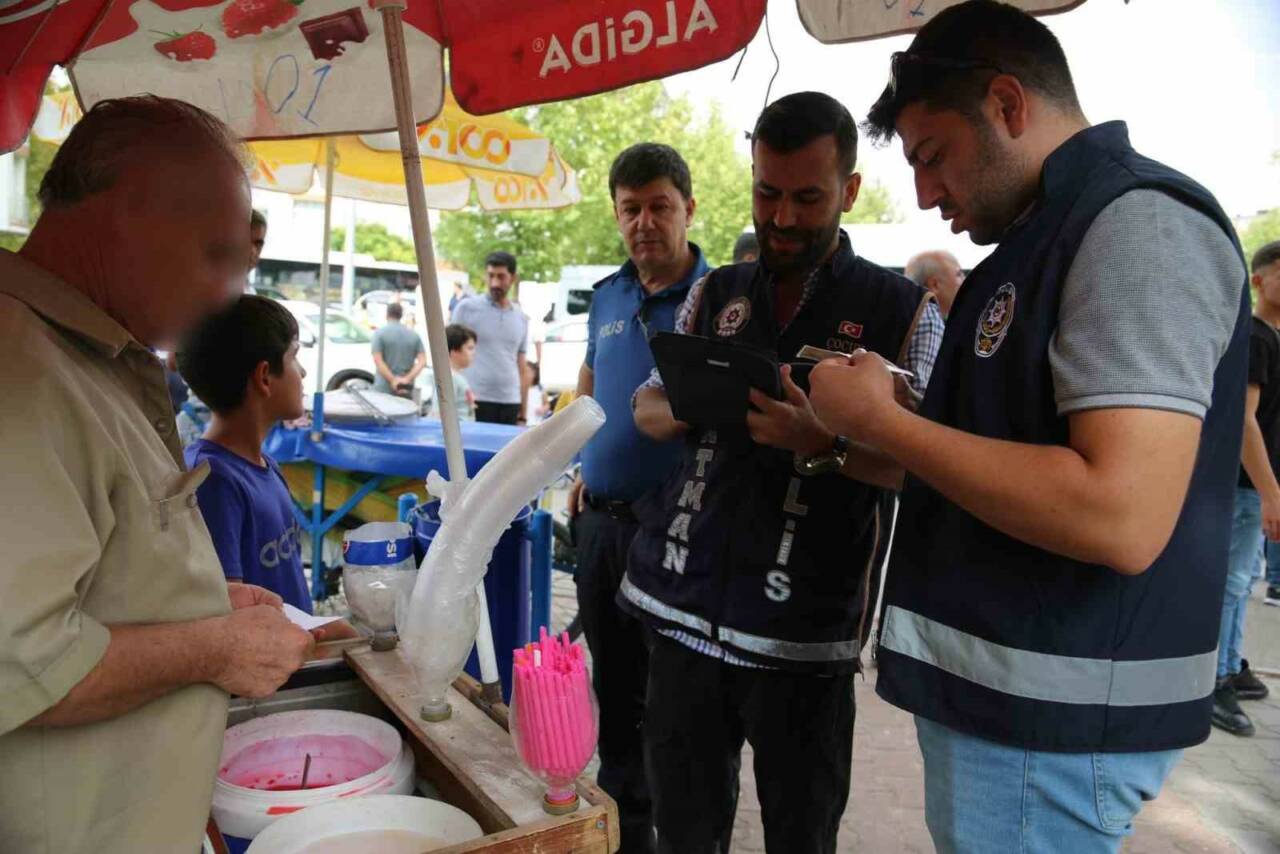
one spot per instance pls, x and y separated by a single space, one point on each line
330 161
349 262
397 59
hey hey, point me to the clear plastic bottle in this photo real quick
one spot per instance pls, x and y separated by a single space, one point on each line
554 720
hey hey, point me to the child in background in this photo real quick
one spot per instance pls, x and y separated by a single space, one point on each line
242 362
536 404
462 352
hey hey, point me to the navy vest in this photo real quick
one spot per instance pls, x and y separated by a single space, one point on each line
739 548
997 638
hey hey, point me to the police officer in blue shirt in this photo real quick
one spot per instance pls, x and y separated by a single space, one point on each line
1053 600
653 202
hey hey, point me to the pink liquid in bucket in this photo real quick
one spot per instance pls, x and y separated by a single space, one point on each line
276 764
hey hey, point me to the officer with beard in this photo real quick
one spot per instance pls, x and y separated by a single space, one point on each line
754 565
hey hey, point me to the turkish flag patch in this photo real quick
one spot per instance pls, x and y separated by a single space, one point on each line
850 329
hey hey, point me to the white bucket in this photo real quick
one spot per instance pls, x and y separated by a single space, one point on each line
351 754
378 824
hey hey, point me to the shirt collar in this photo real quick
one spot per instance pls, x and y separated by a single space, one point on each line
840 262
1061 170
61 305
696 271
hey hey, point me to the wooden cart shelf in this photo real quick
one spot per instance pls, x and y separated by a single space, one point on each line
471 761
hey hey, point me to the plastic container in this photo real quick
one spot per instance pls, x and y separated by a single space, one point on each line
263 760
506 583
377 824
379 570
554 722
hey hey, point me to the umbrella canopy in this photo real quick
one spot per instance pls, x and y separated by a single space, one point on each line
509 166
833 21
282 68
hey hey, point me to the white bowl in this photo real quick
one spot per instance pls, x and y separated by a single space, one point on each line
400 817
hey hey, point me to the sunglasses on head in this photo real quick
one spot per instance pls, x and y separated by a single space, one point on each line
902 60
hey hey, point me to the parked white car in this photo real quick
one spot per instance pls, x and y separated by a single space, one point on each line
563 352
347 349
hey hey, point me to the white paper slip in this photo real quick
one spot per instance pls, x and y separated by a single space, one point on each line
818 354
299 617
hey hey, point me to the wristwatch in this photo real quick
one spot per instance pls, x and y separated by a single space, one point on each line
831 461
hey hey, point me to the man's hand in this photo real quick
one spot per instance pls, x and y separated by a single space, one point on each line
577 497
853 397
787 424
247 595
260 649
1271 518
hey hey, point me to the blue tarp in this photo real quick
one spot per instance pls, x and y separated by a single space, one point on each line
408 449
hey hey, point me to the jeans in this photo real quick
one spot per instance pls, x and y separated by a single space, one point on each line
701 710
1273 564
987 798
1242 568
619 671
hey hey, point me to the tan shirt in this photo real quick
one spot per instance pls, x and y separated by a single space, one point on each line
98 526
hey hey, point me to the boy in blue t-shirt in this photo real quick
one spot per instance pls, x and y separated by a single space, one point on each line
242 362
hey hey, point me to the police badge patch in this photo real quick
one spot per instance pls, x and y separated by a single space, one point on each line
994 323
733 317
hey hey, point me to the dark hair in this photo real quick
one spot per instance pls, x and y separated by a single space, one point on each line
953 58
746 244
501 259
257 219
1268 254
792 122
458 335
648 161
109 135
395 311
222 352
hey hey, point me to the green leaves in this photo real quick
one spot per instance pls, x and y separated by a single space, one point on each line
589 133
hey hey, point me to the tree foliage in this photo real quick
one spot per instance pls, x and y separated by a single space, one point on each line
589 133
373 238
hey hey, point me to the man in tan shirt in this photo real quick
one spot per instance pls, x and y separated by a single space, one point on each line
119 638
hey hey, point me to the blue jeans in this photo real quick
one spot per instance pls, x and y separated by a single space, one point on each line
1273 564
986 798
1242 568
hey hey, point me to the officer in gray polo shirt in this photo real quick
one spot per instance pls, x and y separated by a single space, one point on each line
497 376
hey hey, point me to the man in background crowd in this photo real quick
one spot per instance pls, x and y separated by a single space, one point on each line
746 248
398 354
497 376
1256 518
939 273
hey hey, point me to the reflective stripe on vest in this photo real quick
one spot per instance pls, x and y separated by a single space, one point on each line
1043 676
773 647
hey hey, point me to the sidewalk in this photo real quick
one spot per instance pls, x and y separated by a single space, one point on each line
1223 798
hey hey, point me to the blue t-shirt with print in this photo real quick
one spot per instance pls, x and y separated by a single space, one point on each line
249 513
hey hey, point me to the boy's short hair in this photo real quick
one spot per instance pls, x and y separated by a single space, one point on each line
458 335
218 356
1268 254
395 311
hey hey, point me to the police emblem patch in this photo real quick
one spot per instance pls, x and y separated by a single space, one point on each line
733 316
994 323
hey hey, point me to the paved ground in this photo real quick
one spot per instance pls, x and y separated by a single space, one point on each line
1223 798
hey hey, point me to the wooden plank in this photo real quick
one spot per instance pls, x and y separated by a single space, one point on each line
584 832
467 753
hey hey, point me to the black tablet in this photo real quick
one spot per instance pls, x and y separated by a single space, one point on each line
708 380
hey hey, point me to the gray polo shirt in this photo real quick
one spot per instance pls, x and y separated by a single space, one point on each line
500 335
1149 269
399 346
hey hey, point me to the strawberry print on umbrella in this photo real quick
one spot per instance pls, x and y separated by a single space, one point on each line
269 68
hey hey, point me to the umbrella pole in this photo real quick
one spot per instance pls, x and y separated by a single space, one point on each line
317 408
398 61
